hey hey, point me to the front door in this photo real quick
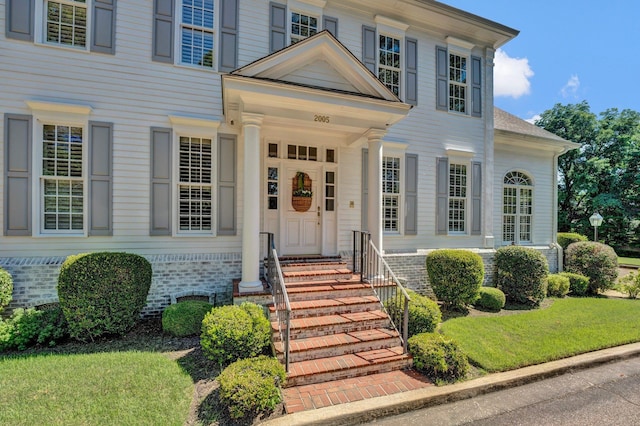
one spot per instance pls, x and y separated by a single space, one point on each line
301 230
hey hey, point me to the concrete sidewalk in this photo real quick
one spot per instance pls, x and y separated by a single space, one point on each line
366 410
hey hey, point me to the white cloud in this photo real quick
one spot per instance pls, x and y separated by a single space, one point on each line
533 119
511 76
570 90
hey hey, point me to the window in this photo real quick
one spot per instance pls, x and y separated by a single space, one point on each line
391 194
62 181
272 188
196 32
389 68
330 191
457 198
517 208
66 22
301 152
195 185
457 83
302 26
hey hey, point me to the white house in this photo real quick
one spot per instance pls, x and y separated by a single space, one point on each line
180 130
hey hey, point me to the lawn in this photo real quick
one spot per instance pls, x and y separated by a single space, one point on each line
568 327
629 261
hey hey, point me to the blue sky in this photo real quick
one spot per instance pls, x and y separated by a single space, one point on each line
567 51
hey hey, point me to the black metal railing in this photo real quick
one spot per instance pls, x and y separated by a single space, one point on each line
282 306
373 269
269 267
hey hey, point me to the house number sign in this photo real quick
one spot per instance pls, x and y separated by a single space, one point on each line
321 118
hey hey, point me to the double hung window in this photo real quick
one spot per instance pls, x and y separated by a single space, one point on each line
457 198
389 68
197 33
391 194
66 22
302 26
457 83
195 187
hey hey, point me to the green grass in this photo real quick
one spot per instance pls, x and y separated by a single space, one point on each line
568 327
132 388
629 261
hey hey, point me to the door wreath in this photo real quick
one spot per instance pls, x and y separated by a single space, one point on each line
301 194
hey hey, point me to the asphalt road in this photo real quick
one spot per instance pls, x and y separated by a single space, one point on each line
603 395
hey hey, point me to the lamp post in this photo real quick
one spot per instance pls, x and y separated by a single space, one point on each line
596 220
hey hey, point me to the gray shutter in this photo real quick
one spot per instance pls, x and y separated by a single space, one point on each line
330 24
364 225
411 194
442 78
17 174
100 178
160 181
411 95
103 39
277 26
163 11
227 185
19 19
476 198
369 54
228 35
476 86
442 195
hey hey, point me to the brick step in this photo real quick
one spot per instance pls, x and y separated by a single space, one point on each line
347 366
285 260
339 305
330 289
316 275
301 328
339 344
313 266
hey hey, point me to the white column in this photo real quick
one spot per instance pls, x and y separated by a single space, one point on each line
488 204
250 282
374 137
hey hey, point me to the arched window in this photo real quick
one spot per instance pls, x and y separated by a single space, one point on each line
517 208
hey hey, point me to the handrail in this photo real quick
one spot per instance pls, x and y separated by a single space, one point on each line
270 267
282 306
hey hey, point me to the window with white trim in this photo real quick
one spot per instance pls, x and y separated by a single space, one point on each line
391 194
458 87
195 187
66 22
302 26
197 33
389 65
62 179
517 208
457 198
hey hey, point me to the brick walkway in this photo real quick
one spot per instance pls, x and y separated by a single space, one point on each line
308 397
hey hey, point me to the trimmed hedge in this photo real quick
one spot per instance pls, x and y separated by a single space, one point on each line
521 273
578 284
230 333
424 313
250 386
597 261
103 293
567 238
438 357
557 285
28 327
6 288
490 298
185 318
455 276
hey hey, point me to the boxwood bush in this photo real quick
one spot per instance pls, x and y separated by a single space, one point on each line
521 273
567 238
230 333
557 285
424 313
28 327
185 318
578 284
455 276
630 285
250 386
597 261
438 357
490 299
6 288
103 293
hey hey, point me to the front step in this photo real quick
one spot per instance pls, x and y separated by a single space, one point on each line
307 266
332 289
316 275
325 325
339 305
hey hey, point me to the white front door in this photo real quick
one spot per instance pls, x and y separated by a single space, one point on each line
301 230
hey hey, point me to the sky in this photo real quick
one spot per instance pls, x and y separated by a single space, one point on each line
567 51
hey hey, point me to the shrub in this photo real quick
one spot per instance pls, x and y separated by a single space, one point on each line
455 276
630 284
424 313
185 318
234 332
103 293
250 386
438 357
578 284
521 273
597 261
27 327
557 285
6 288
567 238
491 299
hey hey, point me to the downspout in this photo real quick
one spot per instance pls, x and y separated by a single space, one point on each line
554 211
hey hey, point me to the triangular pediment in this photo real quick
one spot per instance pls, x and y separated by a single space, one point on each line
320 62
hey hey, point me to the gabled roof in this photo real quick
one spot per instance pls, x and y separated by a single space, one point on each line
506 122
